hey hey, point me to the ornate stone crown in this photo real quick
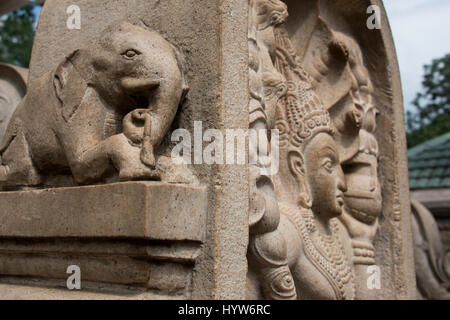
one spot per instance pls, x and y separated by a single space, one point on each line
301 115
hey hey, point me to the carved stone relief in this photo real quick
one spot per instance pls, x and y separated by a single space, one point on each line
267 248
321 210
72 152
102 115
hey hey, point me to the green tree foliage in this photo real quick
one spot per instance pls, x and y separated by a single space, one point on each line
431 117
16 36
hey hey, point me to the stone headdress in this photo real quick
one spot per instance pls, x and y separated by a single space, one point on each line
300 113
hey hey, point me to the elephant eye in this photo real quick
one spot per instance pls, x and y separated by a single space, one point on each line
131 53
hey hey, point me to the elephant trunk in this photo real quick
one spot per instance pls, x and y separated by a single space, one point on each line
147 153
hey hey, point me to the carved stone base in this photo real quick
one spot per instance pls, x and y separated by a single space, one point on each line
137 238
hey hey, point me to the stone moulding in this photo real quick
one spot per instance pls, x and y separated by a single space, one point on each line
141 235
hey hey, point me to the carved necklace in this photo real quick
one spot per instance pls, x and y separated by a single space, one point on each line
326 252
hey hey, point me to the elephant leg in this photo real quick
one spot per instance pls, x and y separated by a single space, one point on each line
90 162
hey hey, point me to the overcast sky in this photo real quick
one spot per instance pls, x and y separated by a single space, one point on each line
421 31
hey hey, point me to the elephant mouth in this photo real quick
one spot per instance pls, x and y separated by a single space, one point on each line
141 92
140 101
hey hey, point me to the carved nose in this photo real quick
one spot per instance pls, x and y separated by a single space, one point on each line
342 184
138 85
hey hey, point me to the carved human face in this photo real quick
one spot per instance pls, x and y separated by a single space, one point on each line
324 176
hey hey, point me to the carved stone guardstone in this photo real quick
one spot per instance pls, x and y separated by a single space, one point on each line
333 222
117 88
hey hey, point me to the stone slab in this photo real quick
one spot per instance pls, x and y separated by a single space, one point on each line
145 210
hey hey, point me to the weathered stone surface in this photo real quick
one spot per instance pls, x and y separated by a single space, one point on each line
338 208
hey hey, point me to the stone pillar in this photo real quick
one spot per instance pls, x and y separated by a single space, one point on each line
212 37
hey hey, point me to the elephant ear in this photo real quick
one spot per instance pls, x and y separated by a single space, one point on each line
70 86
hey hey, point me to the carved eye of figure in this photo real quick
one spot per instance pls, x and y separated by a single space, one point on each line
328 165
131 53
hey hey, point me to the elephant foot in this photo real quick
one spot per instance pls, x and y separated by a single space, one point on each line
171 171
